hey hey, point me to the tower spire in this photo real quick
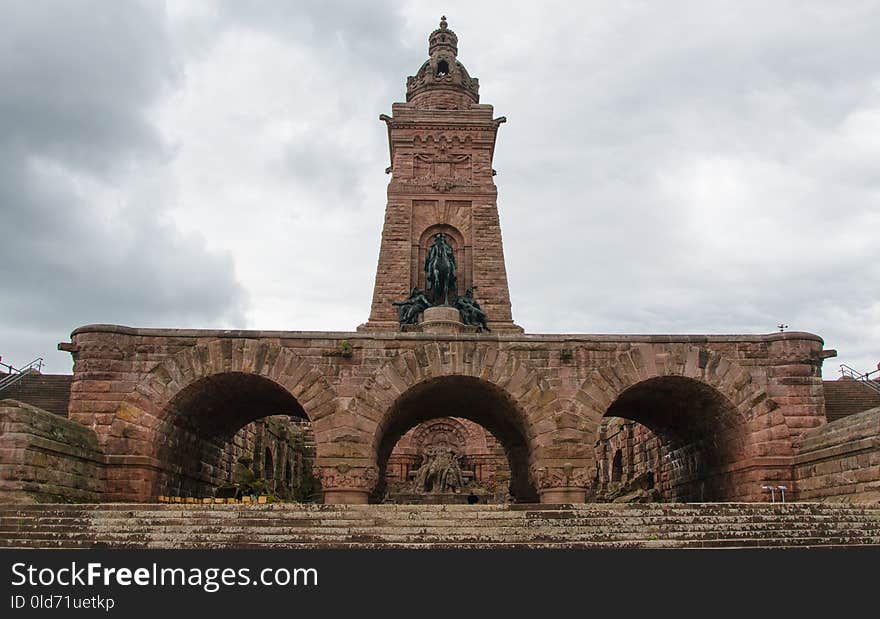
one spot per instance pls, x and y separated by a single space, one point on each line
442 142
442 82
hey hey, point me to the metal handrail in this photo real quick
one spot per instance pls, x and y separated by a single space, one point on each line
16 374
864 378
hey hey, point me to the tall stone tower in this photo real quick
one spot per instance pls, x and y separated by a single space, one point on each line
442 141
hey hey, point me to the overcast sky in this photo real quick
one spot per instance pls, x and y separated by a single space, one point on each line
674 167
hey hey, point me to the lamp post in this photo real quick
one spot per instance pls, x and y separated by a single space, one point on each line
772 490
782 490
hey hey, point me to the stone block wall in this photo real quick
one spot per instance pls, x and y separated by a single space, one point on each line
292 456
840 461
47 458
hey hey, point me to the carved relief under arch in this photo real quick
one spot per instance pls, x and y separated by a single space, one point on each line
447 433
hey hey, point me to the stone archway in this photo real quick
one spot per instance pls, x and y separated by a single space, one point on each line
191 401
466 397
556 431
718 428
197 429
483 462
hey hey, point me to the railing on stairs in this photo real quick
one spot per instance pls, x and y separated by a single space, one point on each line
16 374
864 378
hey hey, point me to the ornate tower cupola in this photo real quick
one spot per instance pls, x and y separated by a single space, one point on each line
442 206
442 81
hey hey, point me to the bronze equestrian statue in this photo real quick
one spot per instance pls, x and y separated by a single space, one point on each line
440 270
441 281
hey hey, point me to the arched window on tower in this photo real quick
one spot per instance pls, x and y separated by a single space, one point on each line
442 68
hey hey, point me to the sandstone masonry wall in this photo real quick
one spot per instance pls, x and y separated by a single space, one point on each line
47 458
840 461
347 383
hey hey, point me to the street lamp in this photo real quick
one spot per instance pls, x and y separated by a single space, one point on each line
782 490
772 490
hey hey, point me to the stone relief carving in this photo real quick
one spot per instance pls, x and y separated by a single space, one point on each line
345 476
566 476
440 472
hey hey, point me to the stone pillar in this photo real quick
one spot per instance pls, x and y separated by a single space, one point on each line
561 484
344 484
343 496
563 495
442 319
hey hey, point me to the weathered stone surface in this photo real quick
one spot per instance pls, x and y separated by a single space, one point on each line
556 419
44 457
840 461
188 525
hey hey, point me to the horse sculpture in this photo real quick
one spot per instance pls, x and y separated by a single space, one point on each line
440 270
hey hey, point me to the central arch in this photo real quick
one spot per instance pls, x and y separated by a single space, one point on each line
466 397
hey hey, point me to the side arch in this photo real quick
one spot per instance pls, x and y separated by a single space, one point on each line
141 423
720 434
605 384
281 365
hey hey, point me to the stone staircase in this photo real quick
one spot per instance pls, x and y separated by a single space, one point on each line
718 525
51 392
848 397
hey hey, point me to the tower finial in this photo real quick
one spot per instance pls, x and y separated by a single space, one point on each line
443 23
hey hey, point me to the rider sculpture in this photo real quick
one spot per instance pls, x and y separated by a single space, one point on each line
440 270
440 285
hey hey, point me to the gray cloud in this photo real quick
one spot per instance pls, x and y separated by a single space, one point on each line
84 186
705 167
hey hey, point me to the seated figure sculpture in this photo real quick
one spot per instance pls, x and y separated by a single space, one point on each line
471 312
440 472
408 310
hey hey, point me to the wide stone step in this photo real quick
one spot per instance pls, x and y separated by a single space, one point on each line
655 521
246 512
437 526
392 533
174 540
579 528
232 511
812 542
460 529
515 507
812 508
